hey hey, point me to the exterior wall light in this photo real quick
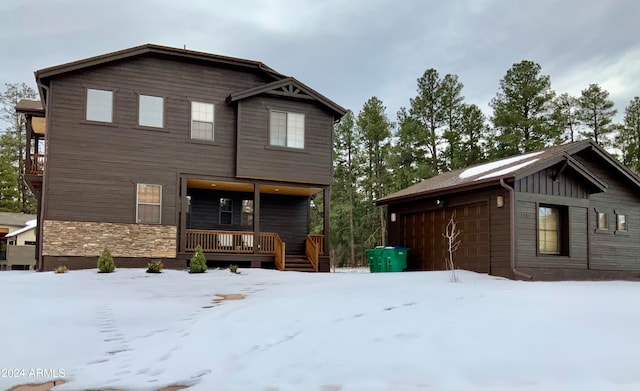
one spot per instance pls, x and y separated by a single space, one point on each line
500 201
393 217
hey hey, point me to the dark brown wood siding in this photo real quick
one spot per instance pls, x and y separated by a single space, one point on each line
258 159
485 245
204 212
542 182
611 249
527 236
287 216
93 168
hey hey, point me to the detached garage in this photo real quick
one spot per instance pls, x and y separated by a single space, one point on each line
566 212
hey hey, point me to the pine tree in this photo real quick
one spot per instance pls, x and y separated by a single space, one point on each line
14 143
628 139
343 195
375 133
9 194
596 113
472 149
198 263
565 116
522 110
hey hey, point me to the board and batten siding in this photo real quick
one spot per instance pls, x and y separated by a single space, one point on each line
93 168
256 158
612 249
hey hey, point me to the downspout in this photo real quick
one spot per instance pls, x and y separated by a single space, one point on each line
512 230
39 261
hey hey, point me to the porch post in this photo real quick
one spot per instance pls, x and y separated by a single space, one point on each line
183 214
28 146
326 200
256 217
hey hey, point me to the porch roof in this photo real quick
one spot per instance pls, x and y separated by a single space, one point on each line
248 187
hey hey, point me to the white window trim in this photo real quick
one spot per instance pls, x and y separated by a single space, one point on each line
138 203
213 122
286 141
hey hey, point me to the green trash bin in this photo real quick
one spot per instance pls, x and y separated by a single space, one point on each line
375 258
395 258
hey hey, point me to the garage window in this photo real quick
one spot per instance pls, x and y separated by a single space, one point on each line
552 230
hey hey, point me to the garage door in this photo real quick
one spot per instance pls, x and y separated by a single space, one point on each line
422 233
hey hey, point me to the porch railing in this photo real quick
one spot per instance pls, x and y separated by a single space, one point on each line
237 242
279 252
311 251
36 163
319 241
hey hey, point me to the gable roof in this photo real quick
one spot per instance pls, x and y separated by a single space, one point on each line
31 224
28 106
15 219
292 88
46 73
513 168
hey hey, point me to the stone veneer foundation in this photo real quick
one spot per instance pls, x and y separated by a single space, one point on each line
88 239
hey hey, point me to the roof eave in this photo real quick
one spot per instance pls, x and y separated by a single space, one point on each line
46 73
338 110
478 184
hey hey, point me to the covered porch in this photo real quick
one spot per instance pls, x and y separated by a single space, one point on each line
253 223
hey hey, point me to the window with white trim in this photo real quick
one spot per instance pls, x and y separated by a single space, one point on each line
286 129
99 105
151 111
202 116
149 204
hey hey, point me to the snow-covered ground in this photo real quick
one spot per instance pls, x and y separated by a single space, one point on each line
325 332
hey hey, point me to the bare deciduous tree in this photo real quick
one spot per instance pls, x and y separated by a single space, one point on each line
451 233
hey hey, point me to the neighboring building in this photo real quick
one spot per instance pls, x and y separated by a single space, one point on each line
17 241
567 212
151 151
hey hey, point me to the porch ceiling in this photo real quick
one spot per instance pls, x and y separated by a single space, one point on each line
39 125
248 187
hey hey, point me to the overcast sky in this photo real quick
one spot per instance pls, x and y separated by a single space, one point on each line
348 50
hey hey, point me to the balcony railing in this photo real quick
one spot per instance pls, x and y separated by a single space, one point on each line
236 242
36 163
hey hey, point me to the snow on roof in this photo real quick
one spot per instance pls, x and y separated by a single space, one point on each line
477 170
29 225
507 170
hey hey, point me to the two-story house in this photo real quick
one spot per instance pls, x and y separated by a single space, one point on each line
151 151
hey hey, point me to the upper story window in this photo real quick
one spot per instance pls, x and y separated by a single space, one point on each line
149 204
99 105
202 115
287 129
151 111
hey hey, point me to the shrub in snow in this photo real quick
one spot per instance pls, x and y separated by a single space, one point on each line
234 269
155 267
60 269
105 262
198 263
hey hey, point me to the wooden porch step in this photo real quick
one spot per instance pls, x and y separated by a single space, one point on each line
298 263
